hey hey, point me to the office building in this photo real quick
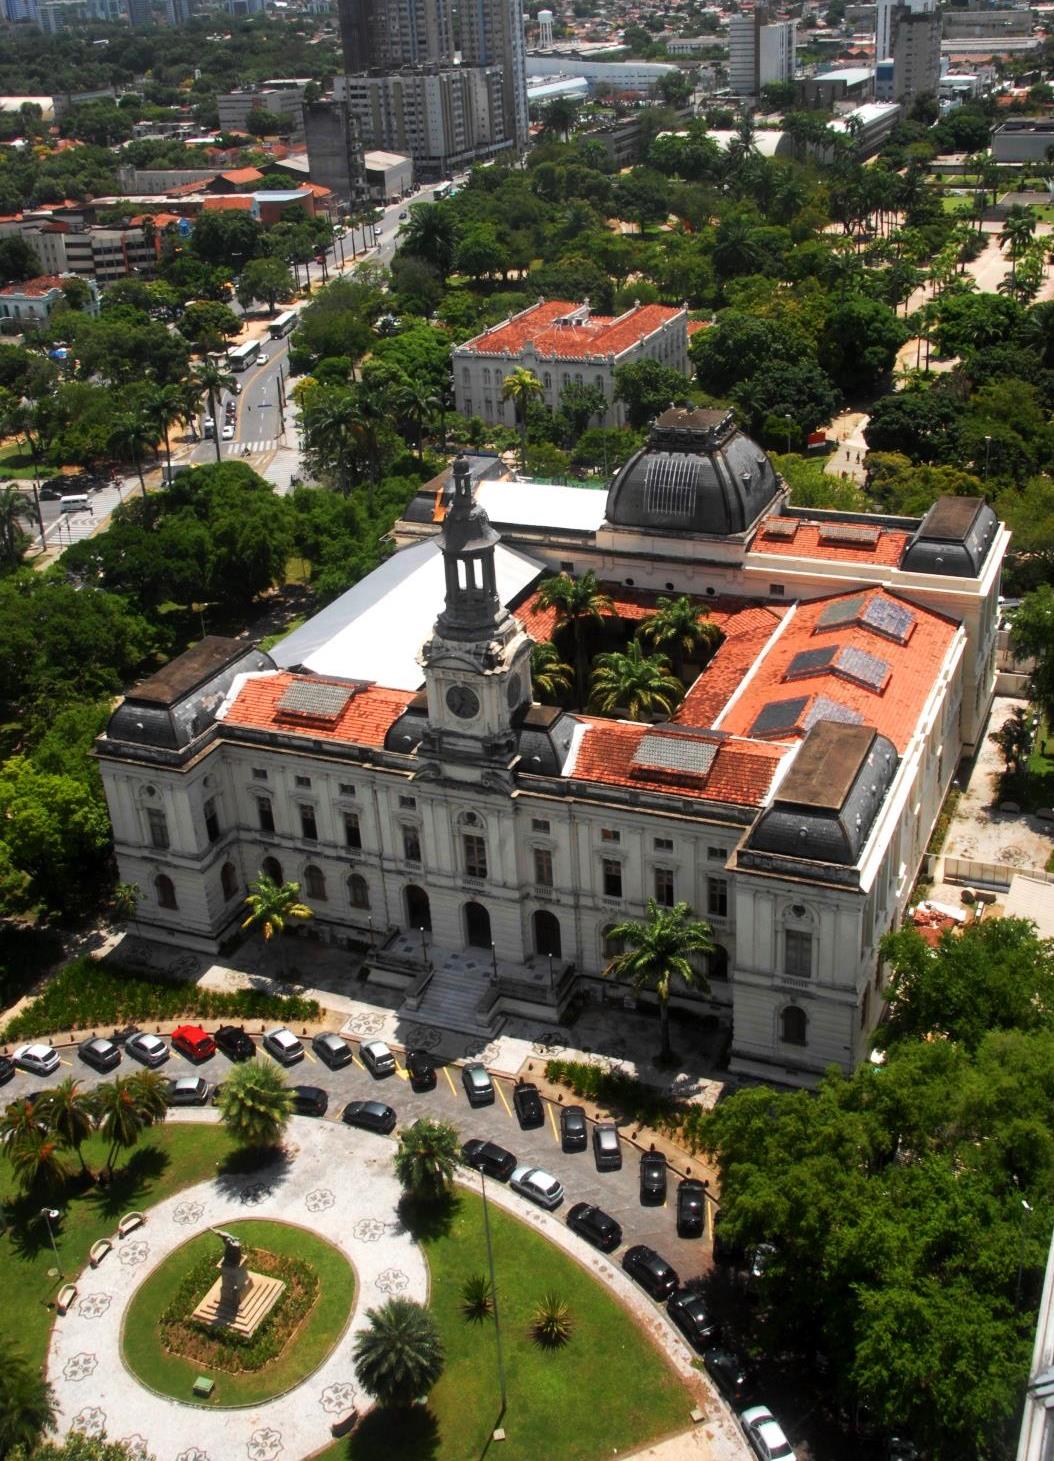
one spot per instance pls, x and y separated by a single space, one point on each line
383 35
179 12
884 29
492 35
759 52
140 13
916 50
624 76
334 151
444 117
285 101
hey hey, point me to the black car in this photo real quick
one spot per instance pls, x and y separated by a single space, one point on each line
691 1208
689 1312
730 1374
652 1178
528 1104
420 1067
489 1157
332 1050
310 1101
574 1131
99 1053
651 1271
7 1068
595 1225
235 1043
372 1115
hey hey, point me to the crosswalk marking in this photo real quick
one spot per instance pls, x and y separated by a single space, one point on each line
237 448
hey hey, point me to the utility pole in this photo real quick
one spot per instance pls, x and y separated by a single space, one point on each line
494 1300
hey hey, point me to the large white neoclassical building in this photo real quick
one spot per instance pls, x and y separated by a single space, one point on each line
390 756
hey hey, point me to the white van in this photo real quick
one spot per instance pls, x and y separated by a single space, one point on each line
75 502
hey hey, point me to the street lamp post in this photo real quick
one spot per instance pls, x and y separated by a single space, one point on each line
424 946
494 1296
787 418
494 959
987 455
52 1215
1026 1213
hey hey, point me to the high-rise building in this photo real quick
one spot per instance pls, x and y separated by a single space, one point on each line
492 35
759 52
916 50
884 29
444 117
179 12
334 151
140 13
386 34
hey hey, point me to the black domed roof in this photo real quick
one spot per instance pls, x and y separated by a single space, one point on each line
697 473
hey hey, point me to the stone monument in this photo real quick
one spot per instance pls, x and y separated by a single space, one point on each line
240 1300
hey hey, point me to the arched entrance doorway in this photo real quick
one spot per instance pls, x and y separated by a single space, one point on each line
272 869
418 908
546 933
477 926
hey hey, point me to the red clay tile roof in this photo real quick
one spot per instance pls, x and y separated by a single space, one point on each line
242 175
186 190
230 202
600 335
694 326
43 284
746 635
806 543
363 722
741 772
630 604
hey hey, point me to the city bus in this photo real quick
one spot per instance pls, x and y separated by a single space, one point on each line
442 190
243 356
283 325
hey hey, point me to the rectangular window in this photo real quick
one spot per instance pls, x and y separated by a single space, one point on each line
664 887
352 832
717 897
608 834
797 948
303 781
475 856
347 788
411 844
259 774
212 821
409 802
663 844
265 814
567 568
539 824
612 878
776 590
716 854
308 825
543 867
157 826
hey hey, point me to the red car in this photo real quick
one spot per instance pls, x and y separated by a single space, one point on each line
193 1042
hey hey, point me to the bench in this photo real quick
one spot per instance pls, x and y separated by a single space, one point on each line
99 1251
67 1293
345 1424
130 1222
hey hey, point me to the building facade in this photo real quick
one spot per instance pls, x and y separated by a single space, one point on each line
444 117
759 52
32 301
334 151
916 50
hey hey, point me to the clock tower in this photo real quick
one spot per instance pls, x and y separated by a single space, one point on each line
478 662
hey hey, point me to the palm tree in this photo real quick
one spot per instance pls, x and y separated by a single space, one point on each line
683 627
1018 227
209 379
417 405
640 683
332 434
657 950
736 247
272 905
68 1112
400 1356
521 387
132 435
164 407
551 1322
36 1158
16 1119
429 1153
150 1093
429 235
255 1103
13 508
27 1402
120 1116
577 601
550 675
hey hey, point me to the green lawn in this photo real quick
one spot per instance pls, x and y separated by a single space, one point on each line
607 1392
304 1352
15 461
168 1158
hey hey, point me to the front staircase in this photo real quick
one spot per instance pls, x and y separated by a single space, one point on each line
457 997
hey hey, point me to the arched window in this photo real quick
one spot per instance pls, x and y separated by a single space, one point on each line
610 947
717 962
229 880
272 868
166 892
315 883
358 891
794 1026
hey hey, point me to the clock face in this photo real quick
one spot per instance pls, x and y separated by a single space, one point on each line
514 691
462 701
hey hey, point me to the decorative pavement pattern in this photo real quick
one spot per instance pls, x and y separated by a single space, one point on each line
338 1189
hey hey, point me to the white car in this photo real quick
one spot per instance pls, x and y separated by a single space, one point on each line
262 359
228 432
37 1059
283 1045
377 1058
540 1186
209 423
765 1434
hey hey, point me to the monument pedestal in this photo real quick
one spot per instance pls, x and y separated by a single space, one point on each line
239 1300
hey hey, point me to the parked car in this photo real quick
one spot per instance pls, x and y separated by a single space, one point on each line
377 1058
607 1149
38 1059
691 1208
689 1312
537 1185
149 1050
283 1045
7 1069
188 1090
760 1258
528 1105
489 1157
652 1178
595 1225
420 1067
310 1101
227 434
332 1050
235 1042
765 1434
372 1115
193 1042
574 1130
479 1088
99 1053
652 1272
730 1374
49 494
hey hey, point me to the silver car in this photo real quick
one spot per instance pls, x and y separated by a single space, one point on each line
540 1186
377 1058
38 1059
332 1050
765 1434
149 1050
283 1045
189 1090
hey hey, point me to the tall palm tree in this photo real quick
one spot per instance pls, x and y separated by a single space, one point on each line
550 676
14 508
399 1357
120 1116
682 627
164 407
36 1158
428 1155
658 950
190 404
16 1119
429 235
417 405
1018 227
521 387
132 435
27 1402
273 905
641 684
255 1104
331 430
68 1112
150 1093
209 379
578 602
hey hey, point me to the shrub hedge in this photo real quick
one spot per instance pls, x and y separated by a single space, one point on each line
632 1099
85 995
